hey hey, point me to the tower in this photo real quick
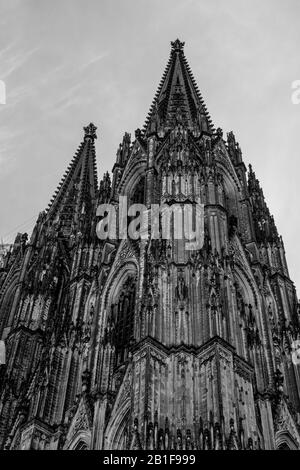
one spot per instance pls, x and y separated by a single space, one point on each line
149 342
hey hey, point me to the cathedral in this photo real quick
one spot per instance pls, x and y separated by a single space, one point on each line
142 343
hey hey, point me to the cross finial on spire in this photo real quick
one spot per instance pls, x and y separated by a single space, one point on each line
90 131
177 45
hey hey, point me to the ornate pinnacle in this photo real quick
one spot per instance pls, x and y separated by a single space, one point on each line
90 131
177 45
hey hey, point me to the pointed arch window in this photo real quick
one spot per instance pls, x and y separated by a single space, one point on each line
284 446
138 194
123 313
81 445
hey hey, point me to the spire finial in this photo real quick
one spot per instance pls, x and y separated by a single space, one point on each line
90 131
177 45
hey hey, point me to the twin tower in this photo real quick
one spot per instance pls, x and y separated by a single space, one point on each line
144 343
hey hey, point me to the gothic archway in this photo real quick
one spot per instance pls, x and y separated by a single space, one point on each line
284 441
138 193
7 303
283 446
81 441
122 316
81 445
116 435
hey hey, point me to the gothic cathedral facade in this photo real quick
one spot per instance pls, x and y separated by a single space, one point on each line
142 343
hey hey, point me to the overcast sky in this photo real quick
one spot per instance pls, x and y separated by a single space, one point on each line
68 62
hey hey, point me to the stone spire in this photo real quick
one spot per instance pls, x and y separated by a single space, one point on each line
264 224
76 193
178 98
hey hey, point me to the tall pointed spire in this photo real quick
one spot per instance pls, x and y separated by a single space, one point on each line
76 192
178 97
264 224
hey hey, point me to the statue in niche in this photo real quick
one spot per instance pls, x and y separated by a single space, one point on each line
181 290
178 116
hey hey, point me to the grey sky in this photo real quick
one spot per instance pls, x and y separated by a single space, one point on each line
69 62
